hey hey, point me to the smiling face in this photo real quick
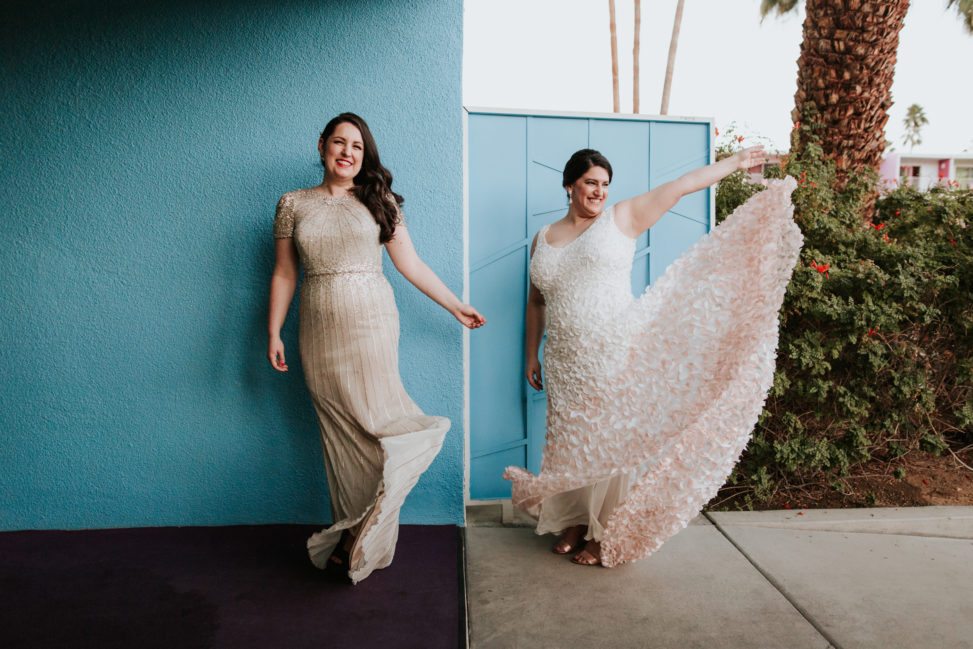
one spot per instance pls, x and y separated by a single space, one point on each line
589 192
342 152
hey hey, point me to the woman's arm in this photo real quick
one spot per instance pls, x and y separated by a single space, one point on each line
534 330
636 215
282 285
407 261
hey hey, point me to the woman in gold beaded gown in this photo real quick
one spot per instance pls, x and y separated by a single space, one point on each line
377 442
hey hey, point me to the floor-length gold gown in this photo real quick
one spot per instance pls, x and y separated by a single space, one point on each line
377 442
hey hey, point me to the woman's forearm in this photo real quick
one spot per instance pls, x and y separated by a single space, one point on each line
534 329
707 176
282 288
424 279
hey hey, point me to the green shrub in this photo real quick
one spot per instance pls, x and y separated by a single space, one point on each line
876 340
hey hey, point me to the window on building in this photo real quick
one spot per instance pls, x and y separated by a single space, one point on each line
964 176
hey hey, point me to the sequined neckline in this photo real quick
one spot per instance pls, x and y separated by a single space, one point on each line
333 200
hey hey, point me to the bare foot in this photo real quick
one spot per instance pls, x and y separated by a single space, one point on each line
590 556
570 540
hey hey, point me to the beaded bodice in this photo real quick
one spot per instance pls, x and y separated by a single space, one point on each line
333 235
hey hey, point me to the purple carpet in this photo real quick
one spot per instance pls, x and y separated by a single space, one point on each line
239 587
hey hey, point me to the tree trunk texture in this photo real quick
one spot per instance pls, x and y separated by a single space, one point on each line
611 28
845 70
671 63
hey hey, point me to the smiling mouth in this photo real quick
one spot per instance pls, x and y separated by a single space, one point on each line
343 163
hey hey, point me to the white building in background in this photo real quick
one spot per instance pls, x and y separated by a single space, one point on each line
925 170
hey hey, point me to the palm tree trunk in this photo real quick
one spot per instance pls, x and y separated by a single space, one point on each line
671 63
611 27
845 75
635 57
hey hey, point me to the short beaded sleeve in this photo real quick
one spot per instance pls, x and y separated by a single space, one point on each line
284 219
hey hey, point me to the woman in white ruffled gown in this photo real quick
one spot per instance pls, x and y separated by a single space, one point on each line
650 400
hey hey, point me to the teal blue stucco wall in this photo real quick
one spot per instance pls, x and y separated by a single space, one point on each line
144 146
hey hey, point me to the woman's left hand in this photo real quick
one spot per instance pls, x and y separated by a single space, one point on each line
468 316
750 157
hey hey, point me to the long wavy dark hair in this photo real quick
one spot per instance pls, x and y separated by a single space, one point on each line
373 184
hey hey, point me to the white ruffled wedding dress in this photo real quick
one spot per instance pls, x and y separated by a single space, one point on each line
652 400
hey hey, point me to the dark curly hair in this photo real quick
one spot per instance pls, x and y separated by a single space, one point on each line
373 184
580 162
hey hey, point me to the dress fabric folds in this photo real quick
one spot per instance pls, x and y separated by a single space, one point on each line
376 440
653 399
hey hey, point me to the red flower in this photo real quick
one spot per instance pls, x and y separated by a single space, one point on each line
797 125
952 242
897 212
877 226
739 138
716 131
885 238
821 268
871 332
787 505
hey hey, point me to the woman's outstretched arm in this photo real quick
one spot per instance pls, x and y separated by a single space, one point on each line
636 215
282 285
407 261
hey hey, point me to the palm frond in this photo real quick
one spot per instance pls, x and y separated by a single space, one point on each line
964 8
781 7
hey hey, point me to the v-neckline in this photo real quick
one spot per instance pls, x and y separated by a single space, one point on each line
572 241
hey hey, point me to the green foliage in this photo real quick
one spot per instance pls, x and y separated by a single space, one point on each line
876 342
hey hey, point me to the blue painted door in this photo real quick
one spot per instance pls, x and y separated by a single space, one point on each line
514 171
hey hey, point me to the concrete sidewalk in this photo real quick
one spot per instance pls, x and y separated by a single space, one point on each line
849 579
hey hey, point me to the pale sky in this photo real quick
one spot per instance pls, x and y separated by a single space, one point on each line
555 55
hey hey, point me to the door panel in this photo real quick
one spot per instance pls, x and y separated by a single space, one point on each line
497 413
497 197
514 176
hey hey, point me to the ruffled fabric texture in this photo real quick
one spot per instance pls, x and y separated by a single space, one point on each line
666 387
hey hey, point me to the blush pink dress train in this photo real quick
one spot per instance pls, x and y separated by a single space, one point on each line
652 400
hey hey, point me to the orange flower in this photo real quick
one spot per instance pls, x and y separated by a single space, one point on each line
885 238
877 226
716 131
739 138
797 125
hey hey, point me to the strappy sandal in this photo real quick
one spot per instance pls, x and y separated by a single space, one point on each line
586 557
563 547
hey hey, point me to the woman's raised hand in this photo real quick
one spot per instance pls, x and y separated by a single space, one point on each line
275 354
750 157
469 317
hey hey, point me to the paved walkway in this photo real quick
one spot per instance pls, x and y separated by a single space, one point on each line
849 579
